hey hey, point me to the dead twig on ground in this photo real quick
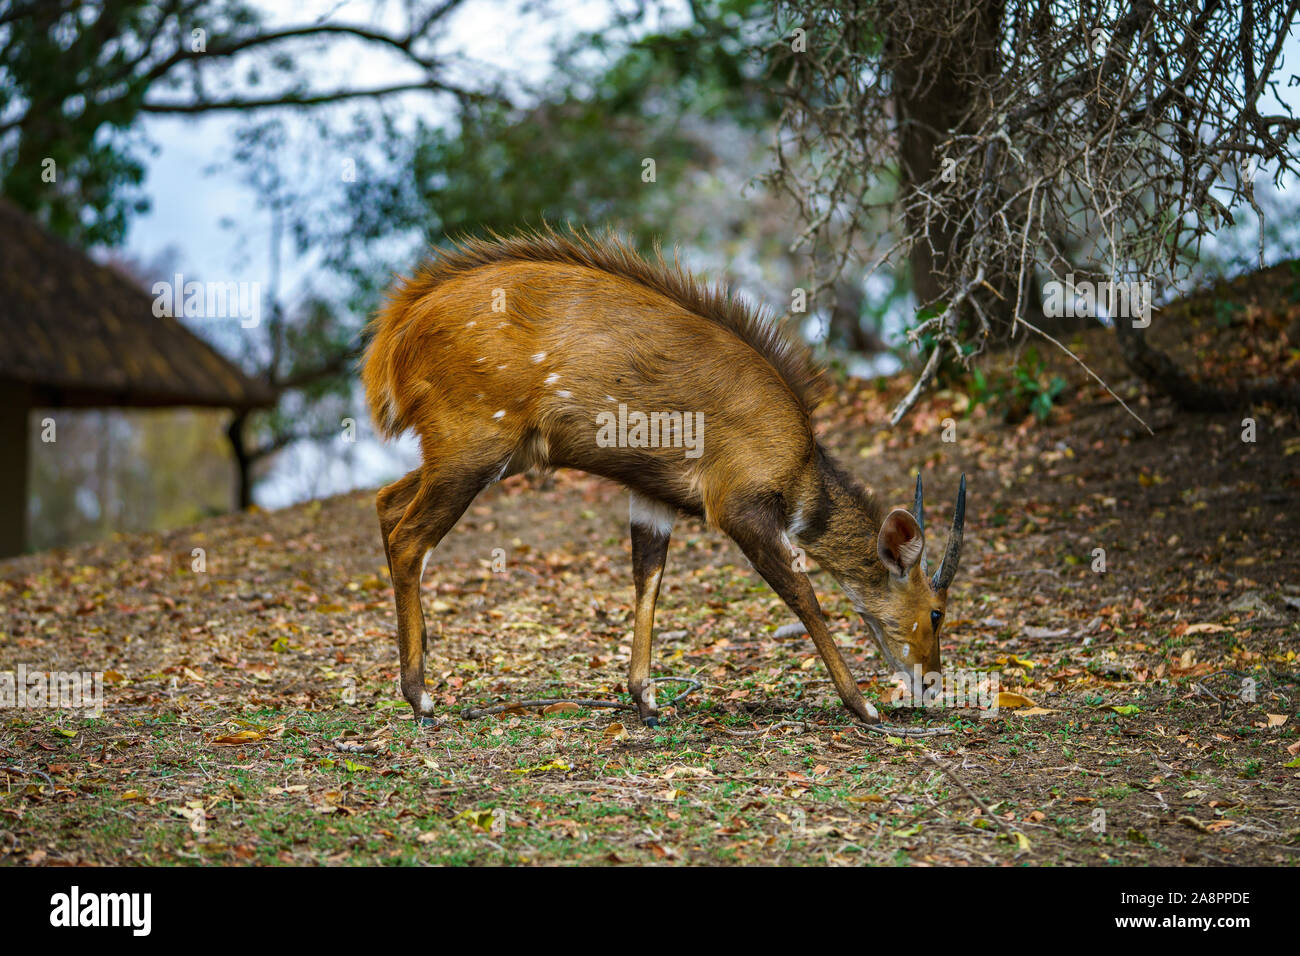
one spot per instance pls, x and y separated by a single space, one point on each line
952 775
30 773
1202 689
474 713
893 730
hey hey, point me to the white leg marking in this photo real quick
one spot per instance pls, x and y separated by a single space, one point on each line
652 514
796 523
648 695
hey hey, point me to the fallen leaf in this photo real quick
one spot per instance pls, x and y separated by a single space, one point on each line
479 819
1007 699
241 737
543 767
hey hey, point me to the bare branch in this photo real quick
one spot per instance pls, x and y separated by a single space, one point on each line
1034 140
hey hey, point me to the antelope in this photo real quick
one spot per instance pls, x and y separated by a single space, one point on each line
521 353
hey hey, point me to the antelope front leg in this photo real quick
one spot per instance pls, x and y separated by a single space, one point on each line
760 539
651 524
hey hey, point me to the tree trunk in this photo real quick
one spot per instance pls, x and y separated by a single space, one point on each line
936 95
1164 374
846 320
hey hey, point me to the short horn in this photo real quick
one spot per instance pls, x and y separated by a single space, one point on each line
918 512
952 556
918 506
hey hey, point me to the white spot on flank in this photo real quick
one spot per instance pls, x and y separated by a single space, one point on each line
609 398
538 356
563 394
471 323
500 367
551 379
481 359
500 414
652 514
914 627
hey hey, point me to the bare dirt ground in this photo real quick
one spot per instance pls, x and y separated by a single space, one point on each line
1155 722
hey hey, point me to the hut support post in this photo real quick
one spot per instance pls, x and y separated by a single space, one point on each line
14 413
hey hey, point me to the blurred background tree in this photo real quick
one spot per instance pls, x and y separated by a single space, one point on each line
1033 141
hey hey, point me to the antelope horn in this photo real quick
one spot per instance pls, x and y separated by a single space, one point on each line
918 512
918 508
952 556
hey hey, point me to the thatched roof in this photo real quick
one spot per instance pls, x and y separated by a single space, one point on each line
81 334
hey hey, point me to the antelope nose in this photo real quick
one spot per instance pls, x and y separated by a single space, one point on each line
916 677
928 691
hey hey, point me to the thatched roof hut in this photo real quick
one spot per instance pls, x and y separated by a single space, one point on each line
77 334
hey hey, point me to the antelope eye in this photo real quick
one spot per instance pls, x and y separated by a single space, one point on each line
935 618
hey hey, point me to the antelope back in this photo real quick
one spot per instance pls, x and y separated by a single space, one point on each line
541 343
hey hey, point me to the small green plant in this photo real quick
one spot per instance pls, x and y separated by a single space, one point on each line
1034 386
1028 389
1224 310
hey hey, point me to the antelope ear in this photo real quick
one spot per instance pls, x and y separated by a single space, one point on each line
900 542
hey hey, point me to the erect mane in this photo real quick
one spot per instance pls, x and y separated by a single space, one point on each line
757 328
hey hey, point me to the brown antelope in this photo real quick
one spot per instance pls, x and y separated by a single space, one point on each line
528 352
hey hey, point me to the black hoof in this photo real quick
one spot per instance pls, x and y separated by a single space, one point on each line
651 722
429 722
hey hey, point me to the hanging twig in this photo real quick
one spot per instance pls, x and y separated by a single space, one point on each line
1064 348
922 383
